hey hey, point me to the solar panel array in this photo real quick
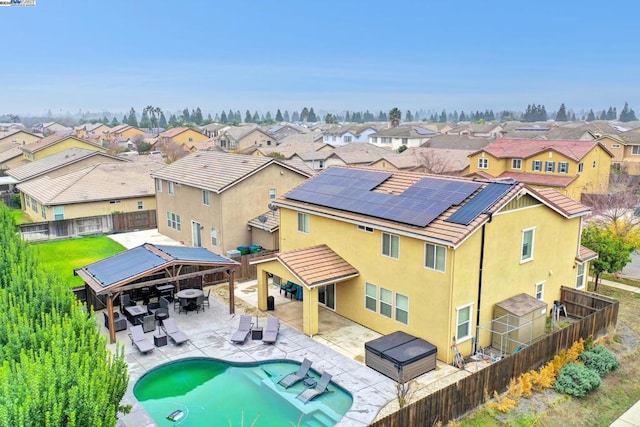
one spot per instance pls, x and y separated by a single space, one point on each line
126 264
350 190
187 253
423 131
480 203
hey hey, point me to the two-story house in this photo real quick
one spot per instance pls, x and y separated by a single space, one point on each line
207 198
56 143
572 167
125 131
18 137
406 136
428 255
240 139
341 135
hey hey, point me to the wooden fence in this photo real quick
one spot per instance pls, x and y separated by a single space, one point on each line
102 224
455 400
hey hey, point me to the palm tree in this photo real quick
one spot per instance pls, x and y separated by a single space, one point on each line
395 115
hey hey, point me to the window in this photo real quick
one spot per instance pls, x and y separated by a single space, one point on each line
540 291
43 210
140 205
173 221
347 138
405 141
34 205
303 222
190 139
58 213
320 164
580 276
325 138
527 245
390 245
365 228
594 163
214 237
272 194
463 322
550 166
371 297
516 163
205 197
434 257
635 150
483 163
402 309
374 139
385 140
233 145
536 165
171 189
563 167
580 167
386 301
158 185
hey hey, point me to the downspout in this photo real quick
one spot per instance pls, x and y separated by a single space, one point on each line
482 235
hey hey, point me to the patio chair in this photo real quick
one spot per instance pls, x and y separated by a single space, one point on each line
199 303
119 323
244 329
171 328
297 376
313 392
270 334
126 301
149 323
184 305
205 301
139 340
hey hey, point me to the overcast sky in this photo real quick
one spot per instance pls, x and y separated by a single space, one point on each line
333 55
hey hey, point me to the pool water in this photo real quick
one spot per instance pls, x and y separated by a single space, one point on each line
212 392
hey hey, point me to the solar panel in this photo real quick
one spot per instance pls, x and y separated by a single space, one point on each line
126 264
423 131
350 190
480 203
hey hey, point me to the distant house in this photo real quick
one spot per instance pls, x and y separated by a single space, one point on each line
125 131
240 139
18 137
213 129
54 144
94 191
207 198
180 136
282 131
480 130
401 136
631 151
571 167
341 135
98 131
51 128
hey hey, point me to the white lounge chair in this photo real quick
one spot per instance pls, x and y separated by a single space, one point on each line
270 334
171 329
139 340
244 329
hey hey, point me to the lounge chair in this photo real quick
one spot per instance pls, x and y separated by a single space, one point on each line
139 340
270 334
244 328
171 328
297 376
313 392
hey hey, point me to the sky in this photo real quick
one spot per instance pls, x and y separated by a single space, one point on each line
334 55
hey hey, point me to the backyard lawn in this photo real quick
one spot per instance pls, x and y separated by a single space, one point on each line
62 256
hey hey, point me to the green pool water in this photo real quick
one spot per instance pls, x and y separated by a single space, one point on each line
212 392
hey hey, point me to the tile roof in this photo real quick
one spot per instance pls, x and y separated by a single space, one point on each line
50 140
173 132
406 131
55 161
439 230
103 181
4 135
10 151
271 221
540 178
525 148
317 266
586 254
361 153
459 142
215 171
438 160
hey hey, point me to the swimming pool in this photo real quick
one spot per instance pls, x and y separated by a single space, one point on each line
212 392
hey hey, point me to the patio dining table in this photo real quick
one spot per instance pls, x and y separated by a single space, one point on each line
191 295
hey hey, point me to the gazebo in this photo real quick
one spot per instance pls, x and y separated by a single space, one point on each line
150 265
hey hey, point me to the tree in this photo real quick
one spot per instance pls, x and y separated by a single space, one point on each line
561 115
286 116
279 116
395 116
591 116
268 118
613 252
125 120
304 114
312 116
256 117
173 121
223 118
247 116
114 122
197 116
627 114
295 117
443 117
186 115
133 120
144 120
163 121
330 119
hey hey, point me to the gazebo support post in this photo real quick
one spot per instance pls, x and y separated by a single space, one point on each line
112 328
232 303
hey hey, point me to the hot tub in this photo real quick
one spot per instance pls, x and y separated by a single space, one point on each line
400 356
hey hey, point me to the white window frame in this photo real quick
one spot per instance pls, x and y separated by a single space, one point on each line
516 164
214 237
468 334
432 264
58 213
386 303
174 221
206 197
272 194
580 275
550 166
563 167
158 185
347 138
635 150
580 167
374 139
370 298
536 165
399 309
303 222
539 291
524 257
171 188
390 253
140 205
483 163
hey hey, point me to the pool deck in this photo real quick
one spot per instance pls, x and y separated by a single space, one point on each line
209 333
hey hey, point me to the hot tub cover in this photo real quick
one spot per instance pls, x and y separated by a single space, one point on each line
400 348
387 342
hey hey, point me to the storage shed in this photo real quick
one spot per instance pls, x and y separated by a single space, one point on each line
400 356
517 321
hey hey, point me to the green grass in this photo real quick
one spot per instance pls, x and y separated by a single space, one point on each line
19 217
625 280
63 256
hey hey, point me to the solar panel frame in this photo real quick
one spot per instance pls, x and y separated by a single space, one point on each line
486 198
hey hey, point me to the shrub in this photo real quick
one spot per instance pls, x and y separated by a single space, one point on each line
600 359
577 380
